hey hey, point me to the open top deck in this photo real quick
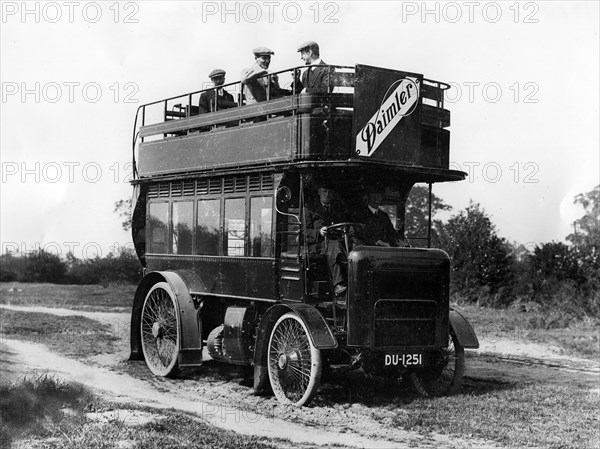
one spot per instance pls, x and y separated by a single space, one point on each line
366 115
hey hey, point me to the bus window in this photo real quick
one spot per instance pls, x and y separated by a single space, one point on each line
207 231
391 209
183 222
235 226
261 212
158 227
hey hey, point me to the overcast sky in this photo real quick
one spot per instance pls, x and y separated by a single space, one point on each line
524 101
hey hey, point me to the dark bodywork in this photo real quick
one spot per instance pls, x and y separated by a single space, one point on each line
398 298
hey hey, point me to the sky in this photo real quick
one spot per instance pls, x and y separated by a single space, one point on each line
524 98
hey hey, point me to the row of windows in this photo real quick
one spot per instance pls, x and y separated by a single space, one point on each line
212 186
230 227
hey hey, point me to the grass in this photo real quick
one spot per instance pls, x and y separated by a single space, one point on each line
76 297
70 335
34 416
26 405
550 416
579 338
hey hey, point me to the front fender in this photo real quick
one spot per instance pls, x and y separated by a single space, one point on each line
319 333
463 330
190 350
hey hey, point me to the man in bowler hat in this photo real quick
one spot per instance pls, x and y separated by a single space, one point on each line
378 229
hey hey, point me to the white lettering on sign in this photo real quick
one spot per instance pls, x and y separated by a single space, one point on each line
403 359
400 103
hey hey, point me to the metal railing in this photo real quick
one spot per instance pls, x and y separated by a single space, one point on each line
340 78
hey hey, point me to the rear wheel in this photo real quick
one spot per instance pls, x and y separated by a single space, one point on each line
294 363
445 376
160 330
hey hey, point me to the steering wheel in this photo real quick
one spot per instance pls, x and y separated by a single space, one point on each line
345 226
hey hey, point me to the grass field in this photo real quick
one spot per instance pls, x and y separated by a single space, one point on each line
45 412
77 297
579 338
549 414
74 336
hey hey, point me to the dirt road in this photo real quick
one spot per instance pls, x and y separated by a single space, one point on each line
341 414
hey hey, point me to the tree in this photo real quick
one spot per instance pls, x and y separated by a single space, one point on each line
480 260
587 228
586 242
123 209
43 266
416 220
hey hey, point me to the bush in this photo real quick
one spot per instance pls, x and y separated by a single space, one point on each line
38 266
42 266
562 279
124 268
480 260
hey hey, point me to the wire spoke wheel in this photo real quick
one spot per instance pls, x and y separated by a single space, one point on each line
160 330
446 376
294 363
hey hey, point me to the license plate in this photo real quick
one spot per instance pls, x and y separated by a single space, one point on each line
403 360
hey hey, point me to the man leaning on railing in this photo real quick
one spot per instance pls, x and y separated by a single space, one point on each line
256 80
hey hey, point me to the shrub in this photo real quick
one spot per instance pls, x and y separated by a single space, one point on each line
124 268
42 266
480 260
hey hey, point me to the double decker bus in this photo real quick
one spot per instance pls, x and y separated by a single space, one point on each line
219 226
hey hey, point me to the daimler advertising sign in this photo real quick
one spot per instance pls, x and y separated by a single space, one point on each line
387 114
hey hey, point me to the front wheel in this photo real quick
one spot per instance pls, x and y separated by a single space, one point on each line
294 363
445 376
160 330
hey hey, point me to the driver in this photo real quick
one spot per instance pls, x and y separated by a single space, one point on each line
324 212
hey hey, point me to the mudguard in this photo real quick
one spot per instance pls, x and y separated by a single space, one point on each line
463 330
190 350
319 333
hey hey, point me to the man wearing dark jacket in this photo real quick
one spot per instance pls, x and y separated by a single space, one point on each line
378 229
223 100
315 78
324 212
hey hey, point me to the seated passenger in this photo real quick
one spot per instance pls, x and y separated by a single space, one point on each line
325 211
255 82
223 100
378 229
315 78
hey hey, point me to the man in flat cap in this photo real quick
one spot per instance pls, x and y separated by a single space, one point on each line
254 80
315 78
216 98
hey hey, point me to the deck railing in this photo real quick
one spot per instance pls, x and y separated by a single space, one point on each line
180 115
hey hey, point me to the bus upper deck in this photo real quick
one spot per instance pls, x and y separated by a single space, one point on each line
367 114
